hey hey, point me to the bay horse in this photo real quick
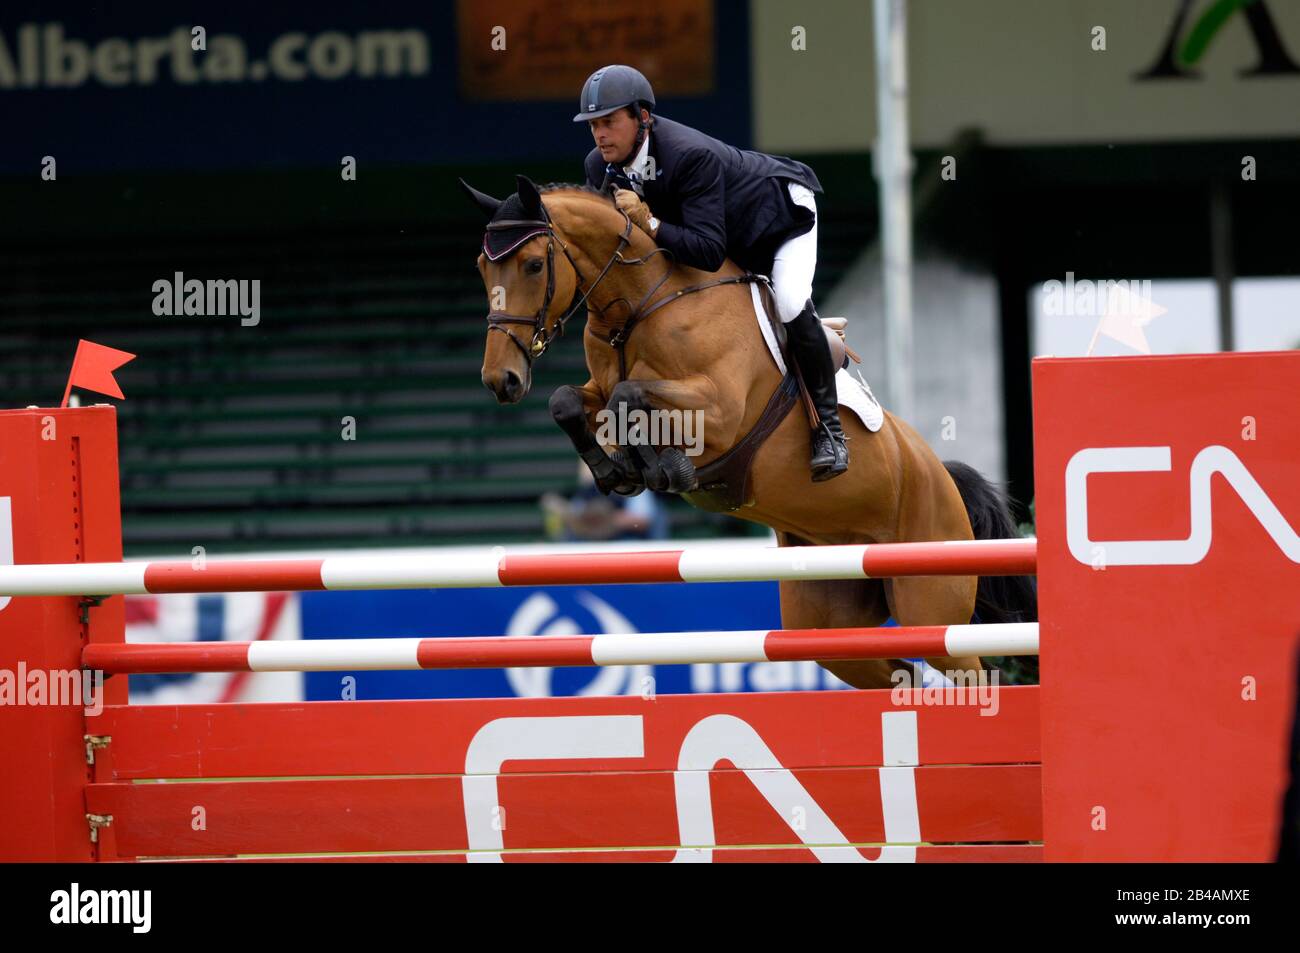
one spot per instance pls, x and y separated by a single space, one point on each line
701 349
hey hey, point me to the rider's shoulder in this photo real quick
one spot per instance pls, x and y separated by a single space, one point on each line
699 157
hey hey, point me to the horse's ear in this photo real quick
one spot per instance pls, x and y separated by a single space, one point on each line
486 203
529 196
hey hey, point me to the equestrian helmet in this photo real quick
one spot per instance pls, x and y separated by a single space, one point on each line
612 88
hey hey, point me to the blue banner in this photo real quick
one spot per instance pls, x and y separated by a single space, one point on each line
294 85
553 611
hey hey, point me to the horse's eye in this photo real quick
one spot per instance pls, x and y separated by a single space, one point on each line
534 267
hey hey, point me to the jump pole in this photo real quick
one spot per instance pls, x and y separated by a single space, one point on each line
644 648
496 567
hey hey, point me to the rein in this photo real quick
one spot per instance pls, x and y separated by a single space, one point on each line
618 340
542 338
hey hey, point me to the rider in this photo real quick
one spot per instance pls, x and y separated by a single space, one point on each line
712 202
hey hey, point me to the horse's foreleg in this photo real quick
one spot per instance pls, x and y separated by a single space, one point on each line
653 441
574 409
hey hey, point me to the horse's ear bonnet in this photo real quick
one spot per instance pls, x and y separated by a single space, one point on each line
485 203
514 221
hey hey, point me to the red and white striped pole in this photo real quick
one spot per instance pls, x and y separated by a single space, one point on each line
644 648
997 557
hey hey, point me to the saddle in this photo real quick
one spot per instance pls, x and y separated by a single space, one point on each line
724 484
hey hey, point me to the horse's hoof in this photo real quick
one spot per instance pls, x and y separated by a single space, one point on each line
624 479
680 471
656 479
645 460
607 473
620 482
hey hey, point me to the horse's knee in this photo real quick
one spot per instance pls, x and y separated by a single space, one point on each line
631 393
566 404
569 411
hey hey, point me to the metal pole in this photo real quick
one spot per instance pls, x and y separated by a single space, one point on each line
894 172
1221 262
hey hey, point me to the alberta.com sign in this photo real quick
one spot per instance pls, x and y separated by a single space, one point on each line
45 56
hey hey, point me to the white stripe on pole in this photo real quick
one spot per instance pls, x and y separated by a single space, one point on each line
995 638
671 648
80 579
804 562
333 655
969 543
412 572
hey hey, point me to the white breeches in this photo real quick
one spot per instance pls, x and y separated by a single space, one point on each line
795 263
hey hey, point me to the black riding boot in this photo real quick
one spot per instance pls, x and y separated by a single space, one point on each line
812 353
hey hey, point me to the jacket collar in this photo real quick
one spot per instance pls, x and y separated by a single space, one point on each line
641 161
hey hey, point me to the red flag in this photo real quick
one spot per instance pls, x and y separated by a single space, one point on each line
92 369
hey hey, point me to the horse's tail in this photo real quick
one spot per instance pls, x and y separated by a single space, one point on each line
998 598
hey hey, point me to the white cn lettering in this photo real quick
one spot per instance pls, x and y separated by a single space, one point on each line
534 739
726 737
1167 552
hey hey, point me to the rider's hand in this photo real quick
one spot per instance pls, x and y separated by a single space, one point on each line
635 209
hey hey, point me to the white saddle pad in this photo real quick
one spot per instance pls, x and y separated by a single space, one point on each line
853 392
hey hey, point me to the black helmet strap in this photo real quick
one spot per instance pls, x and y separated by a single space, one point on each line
643 127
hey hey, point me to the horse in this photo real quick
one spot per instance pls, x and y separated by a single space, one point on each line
701 349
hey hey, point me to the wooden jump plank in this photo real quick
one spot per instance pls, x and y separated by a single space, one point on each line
823 729
957 804
925 854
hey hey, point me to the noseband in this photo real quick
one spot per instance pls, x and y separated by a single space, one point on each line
542 336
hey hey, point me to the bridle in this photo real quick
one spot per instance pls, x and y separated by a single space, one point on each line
542 336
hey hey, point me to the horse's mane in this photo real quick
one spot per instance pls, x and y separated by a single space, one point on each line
574 187
586 191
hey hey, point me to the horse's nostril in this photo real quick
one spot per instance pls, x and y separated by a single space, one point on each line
512 382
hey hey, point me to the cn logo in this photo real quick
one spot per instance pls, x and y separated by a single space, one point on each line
711 740
1167 552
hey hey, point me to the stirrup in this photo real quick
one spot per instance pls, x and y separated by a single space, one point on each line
839 460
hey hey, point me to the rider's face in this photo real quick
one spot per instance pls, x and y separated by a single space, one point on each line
614 135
